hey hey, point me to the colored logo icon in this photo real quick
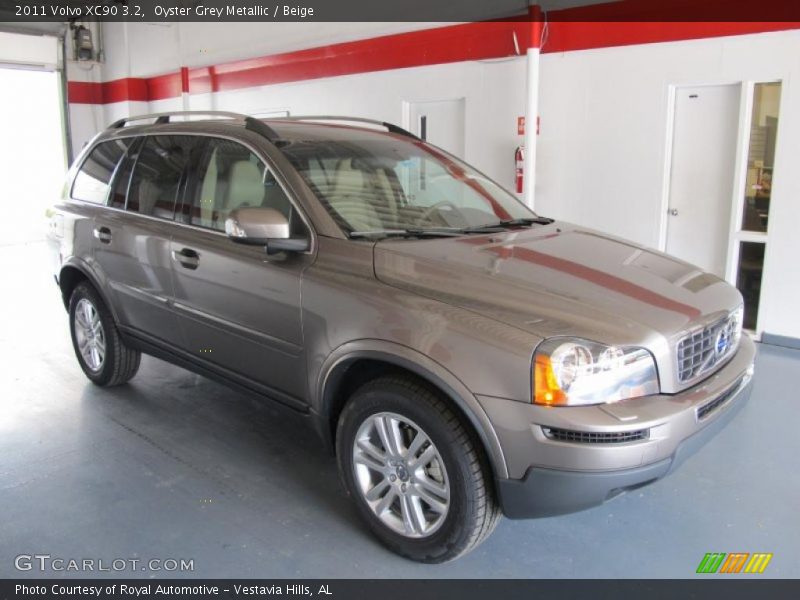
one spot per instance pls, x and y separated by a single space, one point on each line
735 562
722 342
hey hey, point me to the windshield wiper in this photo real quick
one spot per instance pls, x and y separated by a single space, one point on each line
501 225
451 231
410 232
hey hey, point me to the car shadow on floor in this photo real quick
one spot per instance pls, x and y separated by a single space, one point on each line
248 450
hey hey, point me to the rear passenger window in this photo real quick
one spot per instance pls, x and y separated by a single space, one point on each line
230 176
157 175
91 182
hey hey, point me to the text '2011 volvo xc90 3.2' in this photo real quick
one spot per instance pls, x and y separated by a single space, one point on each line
463 356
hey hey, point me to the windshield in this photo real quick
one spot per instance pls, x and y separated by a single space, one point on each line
377 183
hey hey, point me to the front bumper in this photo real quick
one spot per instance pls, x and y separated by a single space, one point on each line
551 476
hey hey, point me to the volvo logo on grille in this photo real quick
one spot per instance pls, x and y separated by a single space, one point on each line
722 342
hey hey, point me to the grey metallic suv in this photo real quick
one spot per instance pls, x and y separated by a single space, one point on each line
463 356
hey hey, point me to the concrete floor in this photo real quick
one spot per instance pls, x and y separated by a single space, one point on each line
175 466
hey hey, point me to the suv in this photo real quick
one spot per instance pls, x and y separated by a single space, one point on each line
461 355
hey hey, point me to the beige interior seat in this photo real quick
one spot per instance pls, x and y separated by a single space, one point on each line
148 193
352 199
208 192
245 186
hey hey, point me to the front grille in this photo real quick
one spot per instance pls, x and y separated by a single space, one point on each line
701 350
705 410
586 437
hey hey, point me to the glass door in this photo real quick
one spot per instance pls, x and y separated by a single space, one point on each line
751 220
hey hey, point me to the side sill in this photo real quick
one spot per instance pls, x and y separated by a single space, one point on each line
155 347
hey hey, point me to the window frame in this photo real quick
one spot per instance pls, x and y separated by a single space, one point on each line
112 179
133 155
190 172
192 180
182 179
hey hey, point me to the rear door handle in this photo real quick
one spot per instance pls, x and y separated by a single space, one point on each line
188 258
103 234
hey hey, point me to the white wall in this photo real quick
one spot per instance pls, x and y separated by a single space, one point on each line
603 139
494 90
190 44
493 100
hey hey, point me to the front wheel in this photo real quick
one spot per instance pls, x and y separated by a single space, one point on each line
417 474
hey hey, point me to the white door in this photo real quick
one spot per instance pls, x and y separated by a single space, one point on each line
703 174
441 123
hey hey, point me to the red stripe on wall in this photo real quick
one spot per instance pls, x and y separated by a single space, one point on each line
165 86
120 90
81 92
577 35
684 11
455 43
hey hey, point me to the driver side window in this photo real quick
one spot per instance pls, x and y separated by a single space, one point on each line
230 176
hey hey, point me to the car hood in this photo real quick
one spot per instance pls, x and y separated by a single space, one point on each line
559 280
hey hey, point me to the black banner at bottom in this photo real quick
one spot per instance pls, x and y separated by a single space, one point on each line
394 589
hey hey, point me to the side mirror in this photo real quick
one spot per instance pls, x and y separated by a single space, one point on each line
263 227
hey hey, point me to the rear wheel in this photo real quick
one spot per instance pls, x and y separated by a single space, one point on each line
102 355
416 473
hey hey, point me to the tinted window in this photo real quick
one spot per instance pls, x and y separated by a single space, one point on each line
157 175
230 176
91 182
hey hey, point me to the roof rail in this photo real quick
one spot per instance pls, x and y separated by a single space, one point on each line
250 123
254 124
165 117
389 126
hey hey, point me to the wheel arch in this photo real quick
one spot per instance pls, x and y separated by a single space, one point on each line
354 364
71 275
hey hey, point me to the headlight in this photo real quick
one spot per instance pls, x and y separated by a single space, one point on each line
573 372
735 326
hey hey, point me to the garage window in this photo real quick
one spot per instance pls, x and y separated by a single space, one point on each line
91 182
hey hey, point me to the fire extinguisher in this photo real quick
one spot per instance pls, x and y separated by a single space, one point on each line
519 160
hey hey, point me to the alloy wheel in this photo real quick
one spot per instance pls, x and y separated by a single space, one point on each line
89 334
401 475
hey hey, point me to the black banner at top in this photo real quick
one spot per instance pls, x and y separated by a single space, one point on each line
26 11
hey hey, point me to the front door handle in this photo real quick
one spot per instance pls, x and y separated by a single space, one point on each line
188 258
103 234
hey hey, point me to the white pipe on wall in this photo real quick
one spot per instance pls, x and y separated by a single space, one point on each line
531 117
532 104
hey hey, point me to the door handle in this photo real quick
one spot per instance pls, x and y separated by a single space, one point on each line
103 234
673 212
188 258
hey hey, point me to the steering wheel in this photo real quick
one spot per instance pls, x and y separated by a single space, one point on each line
425 216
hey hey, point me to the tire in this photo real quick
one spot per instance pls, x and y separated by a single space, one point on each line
456 509
102 355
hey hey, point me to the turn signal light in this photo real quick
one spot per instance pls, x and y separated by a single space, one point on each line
545 384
